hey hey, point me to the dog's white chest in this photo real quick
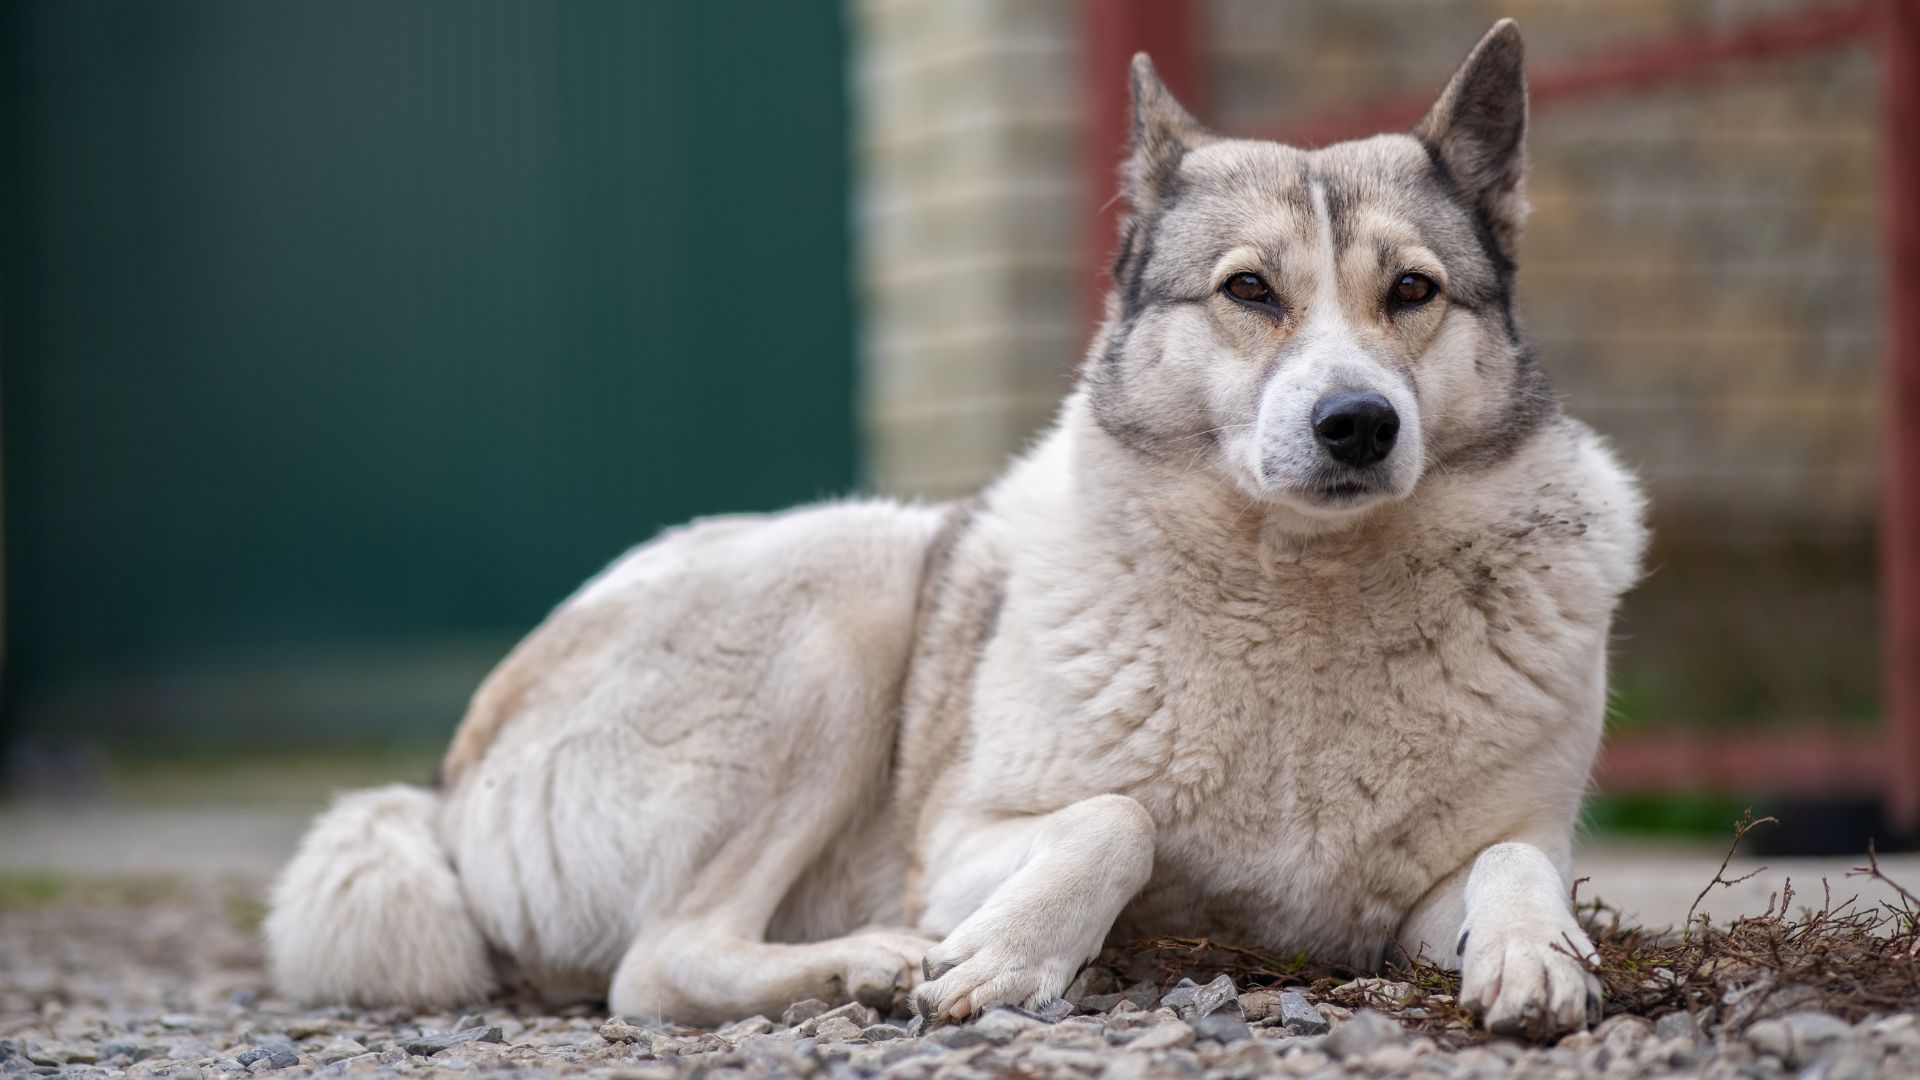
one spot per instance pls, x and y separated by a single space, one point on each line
1317 747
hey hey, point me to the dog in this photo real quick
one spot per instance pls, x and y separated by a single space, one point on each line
1292 631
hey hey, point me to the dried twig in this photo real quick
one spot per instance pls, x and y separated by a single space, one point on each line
1872 870
1740 830
1842 958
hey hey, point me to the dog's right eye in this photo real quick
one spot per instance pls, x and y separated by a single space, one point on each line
1249 288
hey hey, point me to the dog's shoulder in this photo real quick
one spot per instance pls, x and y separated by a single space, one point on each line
1561 510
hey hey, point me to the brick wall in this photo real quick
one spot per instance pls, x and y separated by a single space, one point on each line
967 128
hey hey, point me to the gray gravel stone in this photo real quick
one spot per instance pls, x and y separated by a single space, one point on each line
1796 1037
1259 1006
428 1045
1066 1060
854 1011
1053 1010
1143 995
1221 1027
1166 1035
1298 1016
1678 1025
339 1049
1623 1031
1002 1025
192 1048
1191 1002
1381 1061
1182 996
618 1030
1218 996
955 1037
802 1011
279 1056
1366 1032
834 1029
740 1029
1674 1053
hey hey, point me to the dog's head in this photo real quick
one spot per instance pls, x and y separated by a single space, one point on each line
1320 328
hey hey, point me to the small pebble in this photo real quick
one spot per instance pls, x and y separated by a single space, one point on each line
1299 1017
801 1011
618 1030
428 1045
835 1029
1678 1025
1167 1035
278 1056
1366 1032
1221 1027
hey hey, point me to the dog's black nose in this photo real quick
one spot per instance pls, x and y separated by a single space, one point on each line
1357 429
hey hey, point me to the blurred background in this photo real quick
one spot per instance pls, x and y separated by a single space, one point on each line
342 340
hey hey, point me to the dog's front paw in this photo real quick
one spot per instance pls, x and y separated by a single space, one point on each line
966 980
1531 983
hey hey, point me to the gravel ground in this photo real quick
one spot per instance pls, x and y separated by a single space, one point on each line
156 979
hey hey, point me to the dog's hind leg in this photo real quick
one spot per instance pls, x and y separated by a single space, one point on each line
708 961
1033 899
692 756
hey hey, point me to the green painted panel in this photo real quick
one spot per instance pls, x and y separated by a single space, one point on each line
343 339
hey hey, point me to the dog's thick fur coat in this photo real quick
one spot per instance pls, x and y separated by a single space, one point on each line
1194 665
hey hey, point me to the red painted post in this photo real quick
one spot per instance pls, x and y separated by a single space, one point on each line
1112 31
1900 504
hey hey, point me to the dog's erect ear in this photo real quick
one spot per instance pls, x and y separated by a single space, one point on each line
1479 129
1163 132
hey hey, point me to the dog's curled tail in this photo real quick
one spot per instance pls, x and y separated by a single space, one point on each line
370 911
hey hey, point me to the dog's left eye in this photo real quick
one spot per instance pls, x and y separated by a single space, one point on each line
1249 288
1412 290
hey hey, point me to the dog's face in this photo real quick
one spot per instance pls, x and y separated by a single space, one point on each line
1320 328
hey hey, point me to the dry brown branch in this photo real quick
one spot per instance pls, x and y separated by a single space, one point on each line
1872 870
1740 830
1843 958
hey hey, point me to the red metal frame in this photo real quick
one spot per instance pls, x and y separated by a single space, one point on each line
1635 66
1805 762
1899 34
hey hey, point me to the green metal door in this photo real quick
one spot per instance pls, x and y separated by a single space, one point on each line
343 339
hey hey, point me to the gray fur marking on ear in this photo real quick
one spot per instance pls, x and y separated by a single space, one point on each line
1478 127
1163 132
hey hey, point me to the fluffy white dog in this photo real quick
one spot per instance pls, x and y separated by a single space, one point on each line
1292 631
